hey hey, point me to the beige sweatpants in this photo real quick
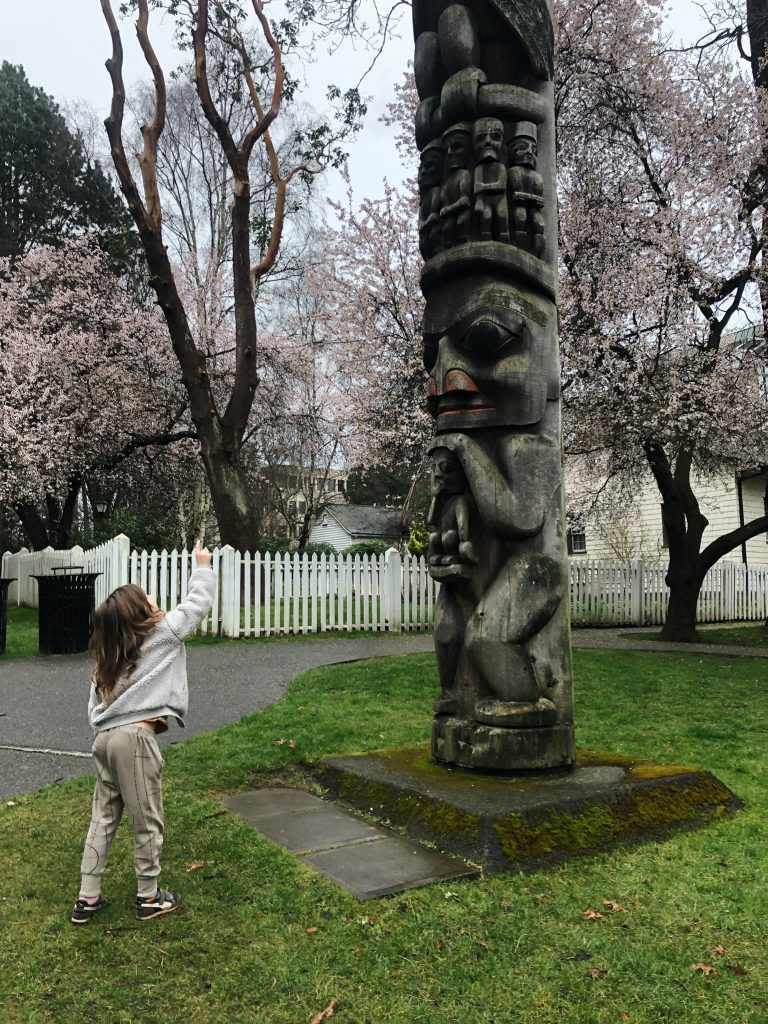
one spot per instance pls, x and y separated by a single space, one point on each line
128 766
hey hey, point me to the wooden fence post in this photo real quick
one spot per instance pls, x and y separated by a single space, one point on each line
229 624
394 590
636 613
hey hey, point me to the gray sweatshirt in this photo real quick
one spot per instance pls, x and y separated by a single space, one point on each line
157 687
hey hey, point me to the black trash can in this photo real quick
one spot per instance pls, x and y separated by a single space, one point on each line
67 599
5 582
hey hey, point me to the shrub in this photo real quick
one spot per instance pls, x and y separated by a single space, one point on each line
418 540
368 547
320 548
148 527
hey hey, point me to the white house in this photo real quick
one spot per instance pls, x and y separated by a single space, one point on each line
635 530
345 525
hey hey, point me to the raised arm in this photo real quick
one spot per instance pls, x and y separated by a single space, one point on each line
201 590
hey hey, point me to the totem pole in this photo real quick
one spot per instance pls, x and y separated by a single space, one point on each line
485 129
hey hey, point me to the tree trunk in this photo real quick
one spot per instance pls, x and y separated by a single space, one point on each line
33 523
304 531
66 522
231 496
201 504
680 621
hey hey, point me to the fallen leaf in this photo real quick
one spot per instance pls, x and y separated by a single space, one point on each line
595 972
280 742
616 907
506 904
310 931
706 969
195 867
324 1014
624 1016
292 744
483 943
736 969
592 915
718 951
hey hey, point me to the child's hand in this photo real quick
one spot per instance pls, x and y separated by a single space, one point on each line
202 556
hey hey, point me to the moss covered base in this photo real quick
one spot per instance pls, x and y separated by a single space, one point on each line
509 822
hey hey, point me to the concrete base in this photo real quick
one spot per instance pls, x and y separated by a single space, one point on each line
507 822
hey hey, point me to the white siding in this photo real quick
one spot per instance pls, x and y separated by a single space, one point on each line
754 497
330 533
636 531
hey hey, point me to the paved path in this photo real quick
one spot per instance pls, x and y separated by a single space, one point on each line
44 733
628 639
43 701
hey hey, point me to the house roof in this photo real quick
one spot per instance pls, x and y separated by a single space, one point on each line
368 520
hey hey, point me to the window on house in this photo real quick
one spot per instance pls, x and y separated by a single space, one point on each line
340 486
765 509
577 542
301 507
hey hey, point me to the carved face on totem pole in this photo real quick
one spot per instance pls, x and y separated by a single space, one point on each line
458 143
488 139
431 167
490 357
447 475
523 147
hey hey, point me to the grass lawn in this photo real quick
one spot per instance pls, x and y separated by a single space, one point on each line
753 634
261 939
22 639
20 634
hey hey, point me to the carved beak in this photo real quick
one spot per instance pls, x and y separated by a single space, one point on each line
460 395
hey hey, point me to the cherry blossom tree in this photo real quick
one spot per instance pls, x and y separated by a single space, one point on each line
300 429
88 380
661 189
662 193
374 266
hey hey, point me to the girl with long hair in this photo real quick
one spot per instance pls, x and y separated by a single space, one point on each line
139 684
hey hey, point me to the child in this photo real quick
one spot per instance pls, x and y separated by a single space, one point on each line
140 681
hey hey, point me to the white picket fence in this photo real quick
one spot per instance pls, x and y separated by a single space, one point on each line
264 595
259 594
110 560
605 593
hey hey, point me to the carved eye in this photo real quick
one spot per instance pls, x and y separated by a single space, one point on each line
487 337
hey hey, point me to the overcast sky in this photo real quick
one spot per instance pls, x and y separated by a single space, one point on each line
62 45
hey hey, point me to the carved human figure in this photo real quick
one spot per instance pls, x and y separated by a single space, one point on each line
456 193
449 543
451 558
490 193
526 189
430 180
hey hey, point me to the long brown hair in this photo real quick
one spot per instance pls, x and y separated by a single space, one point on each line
120 626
